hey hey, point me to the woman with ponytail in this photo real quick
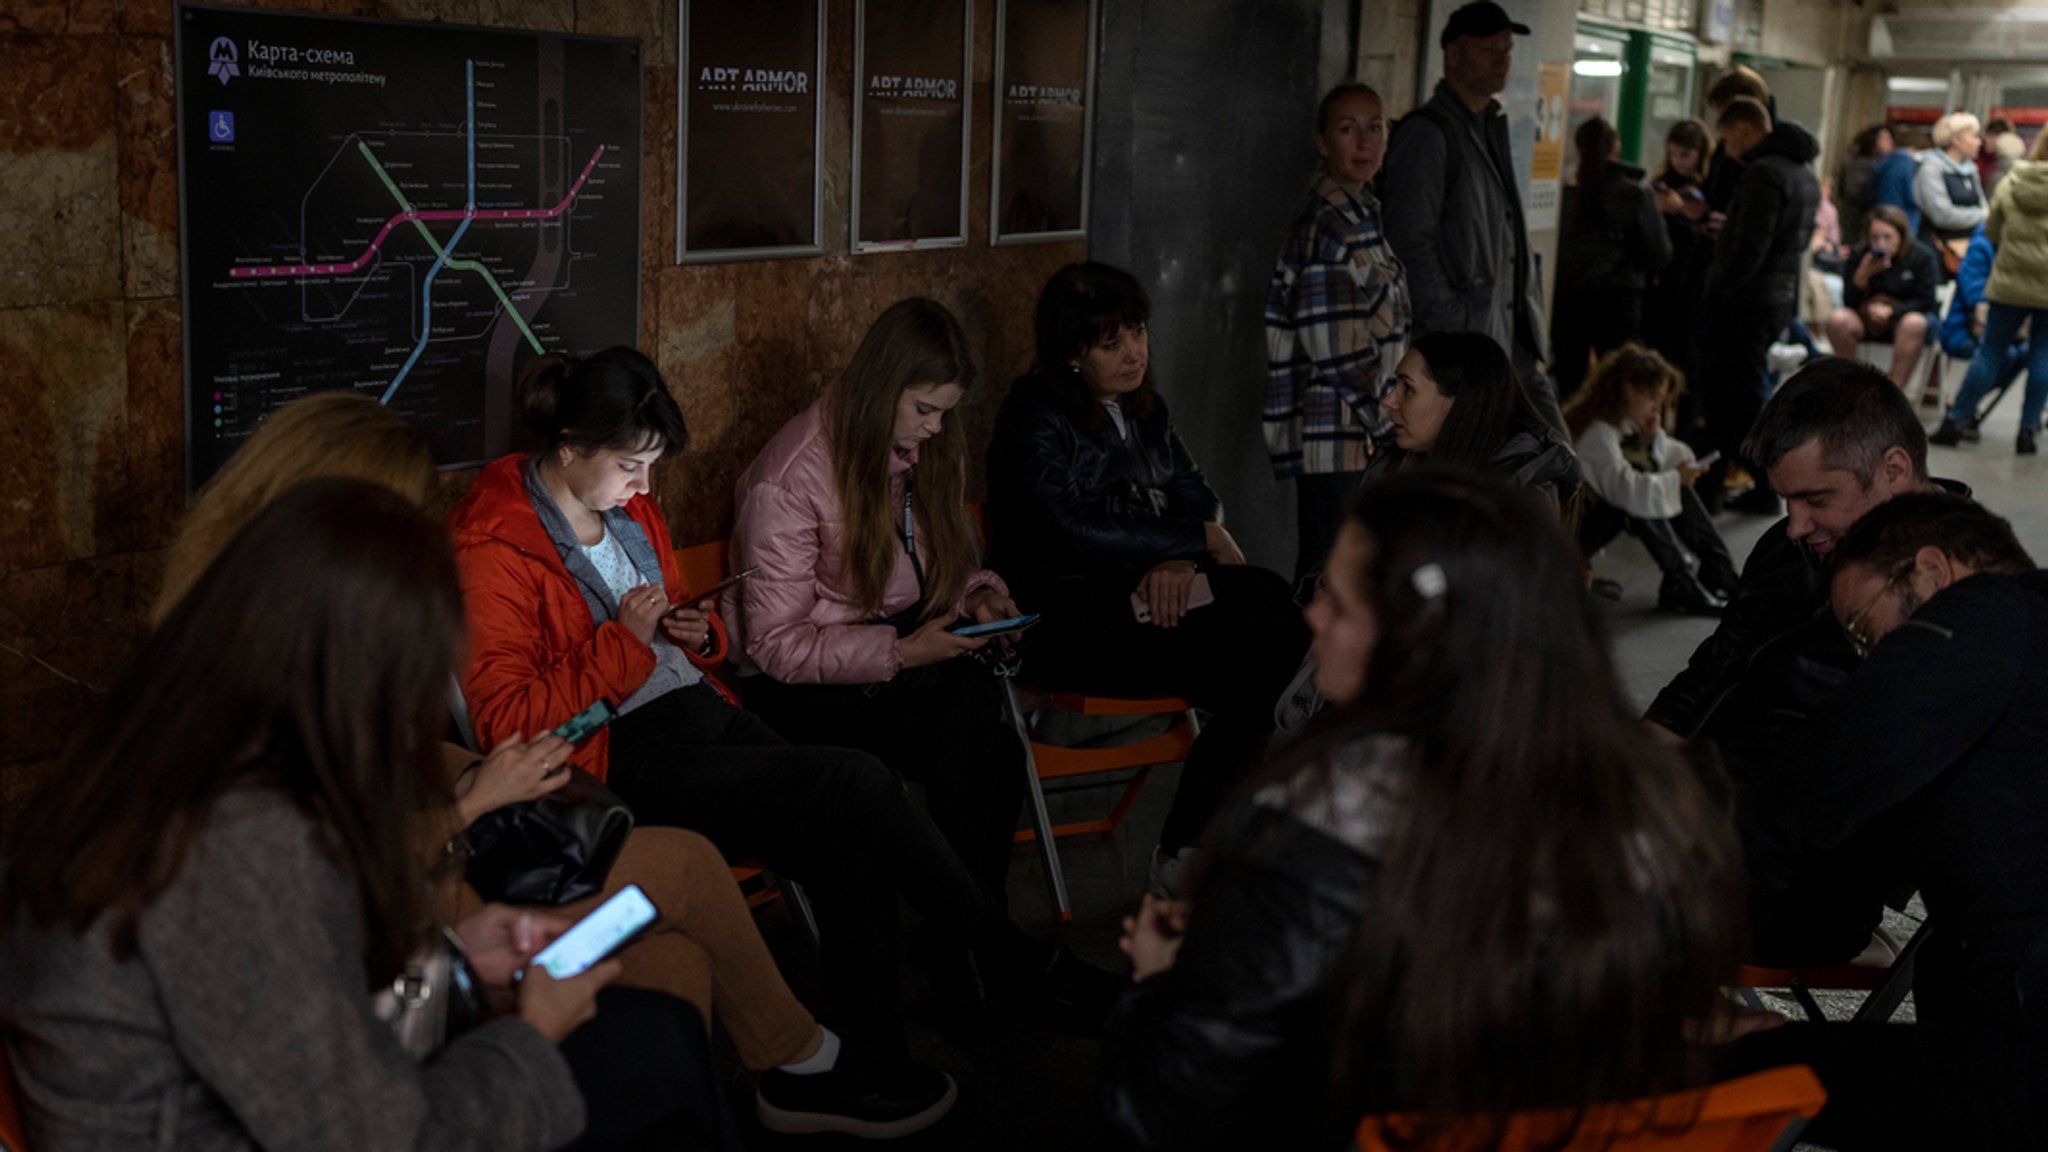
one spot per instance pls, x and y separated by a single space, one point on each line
1614 243
854 518
1476 886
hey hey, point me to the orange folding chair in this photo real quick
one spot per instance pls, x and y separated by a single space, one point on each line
12 1138
1764 1112
1887 987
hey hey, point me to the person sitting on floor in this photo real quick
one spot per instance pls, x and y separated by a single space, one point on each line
1100 520
855 523
1641 479
1477 887
1934 748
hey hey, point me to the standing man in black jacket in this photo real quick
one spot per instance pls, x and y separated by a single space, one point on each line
1934 747
1752 286
1836 441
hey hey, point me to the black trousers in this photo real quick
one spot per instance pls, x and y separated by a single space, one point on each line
1321 505
1733 378
941 725
1589 323
835 820
645 1068
1693 529
1913 1086
1231 659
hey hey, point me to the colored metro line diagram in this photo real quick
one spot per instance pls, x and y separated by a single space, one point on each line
411 212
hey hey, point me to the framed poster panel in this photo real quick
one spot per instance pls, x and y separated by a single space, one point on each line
913 67
750 137
1044 127
411 212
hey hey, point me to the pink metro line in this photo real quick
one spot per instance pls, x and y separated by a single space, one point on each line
487 216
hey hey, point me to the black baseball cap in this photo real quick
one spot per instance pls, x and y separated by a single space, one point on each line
1481 18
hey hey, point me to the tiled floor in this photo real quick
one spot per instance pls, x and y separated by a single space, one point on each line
1021 1090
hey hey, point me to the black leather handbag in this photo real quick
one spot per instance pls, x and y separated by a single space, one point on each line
551 850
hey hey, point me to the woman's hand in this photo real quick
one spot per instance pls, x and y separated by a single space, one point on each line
1669 202
1878 312
988 604
513 773
641 609
932 644
1689 471
1869 266
556 1008
1165 591
1220 545
689 627
1152 937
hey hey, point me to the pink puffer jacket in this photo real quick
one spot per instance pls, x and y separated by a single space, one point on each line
797 619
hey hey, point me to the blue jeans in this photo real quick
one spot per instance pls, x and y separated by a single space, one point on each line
1998 358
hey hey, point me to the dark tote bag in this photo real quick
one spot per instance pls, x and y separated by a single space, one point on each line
552 850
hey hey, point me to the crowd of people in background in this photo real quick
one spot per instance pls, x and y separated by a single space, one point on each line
1422 855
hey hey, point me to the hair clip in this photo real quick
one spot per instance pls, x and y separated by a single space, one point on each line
1429 581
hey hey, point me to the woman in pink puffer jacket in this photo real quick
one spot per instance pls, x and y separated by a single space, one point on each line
854 516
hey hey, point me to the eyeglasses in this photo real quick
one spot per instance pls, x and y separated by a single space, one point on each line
1860 639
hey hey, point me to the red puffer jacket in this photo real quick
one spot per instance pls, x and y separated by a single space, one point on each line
535 656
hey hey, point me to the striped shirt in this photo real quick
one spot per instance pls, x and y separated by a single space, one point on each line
1337 322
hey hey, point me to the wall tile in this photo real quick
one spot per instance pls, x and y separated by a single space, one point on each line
32 15
430 11
658 170
146 17
652 21
63 419
83 621
156 422
57 161
148 159
535 15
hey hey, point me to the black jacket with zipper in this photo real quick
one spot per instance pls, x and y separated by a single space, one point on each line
1770 221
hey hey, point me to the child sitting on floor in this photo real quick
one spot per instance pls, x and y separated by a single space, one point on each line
1640 480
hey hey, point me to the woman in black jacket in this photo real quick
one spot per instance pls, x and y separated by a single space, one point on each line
1480 886
1614 241
1100 520
1887 294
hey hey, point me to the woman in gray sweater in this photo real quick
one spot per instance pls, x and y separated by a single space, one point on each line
197 912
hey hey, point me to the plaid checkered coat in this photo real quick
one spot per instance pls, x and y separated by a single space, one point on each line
1337 320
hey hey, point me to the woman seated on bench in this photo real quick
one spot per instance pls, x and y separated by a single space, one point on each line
1887 294
573 594
704 948
864 552
1477 887
1100 520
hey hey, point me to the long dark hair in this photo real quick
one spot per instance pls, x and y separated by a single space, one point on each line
1559 897
610 399
1082 306
1471 368
1691 134
1594 141
915 342
311 659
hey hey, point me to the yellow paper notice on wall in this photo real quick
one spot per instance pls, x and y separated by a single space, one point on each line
1553 87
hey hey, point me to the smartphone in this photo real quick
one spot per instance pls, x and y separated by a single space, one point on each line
584 724
696 598
608 927
1709 460
1008 627
1200 595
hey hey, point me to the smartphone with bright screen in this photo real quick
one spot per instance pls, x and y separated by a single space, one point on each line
599 934
997 627
579 727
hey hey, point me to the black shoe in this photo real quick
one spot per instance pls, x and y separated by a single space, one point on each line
1758 501
854 1098
1951 433
1064 993
1721 579
1604 589
1683 594
2025 445
960 985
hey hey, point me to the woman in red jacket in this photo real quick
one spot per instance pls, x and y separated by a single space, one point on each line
854 516
571 588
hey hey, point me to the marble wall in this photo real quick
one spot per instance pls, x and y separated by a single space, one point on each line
91 425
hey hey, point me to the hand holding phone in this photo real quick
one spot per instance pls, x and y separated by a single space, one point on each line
1710 459
711 593
607 929
580 727
1009 627
1163 599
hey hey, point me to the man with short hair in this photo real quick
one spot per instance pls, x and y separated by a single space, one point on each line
1752 285
1452 208
1935 749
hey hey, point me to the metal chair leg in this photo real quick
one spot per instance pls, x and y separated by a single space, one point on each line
1879 1006
793 895
1041 821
